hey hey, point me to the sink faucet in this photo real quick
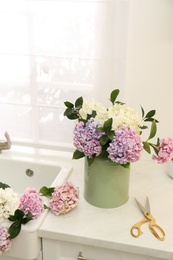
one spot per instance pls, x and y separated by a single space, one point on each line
4 145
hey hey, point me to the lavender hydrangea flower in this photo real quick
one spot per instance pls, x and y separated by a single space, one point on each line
126 147
64 199
5 242
165 151
31 201
86 138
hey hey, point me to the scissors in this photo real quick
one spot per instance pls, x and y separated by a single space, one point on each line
156 230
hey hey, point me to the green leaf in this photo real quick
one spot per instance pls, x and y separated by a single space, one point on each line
114 95
68 104
153 130
12 218
90 160
151 113
127 165
18 214
73 116
79 103
147 147
119 102
149 119
154 148
107 125
144 127
77 155
4 186
46 207
111 135
100 129
68 112
14 229
92 115
103 140
104 154
27 218
46 192
143 112
158 142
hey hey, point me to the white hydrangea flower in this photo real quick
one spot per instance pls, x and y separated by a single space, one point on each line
9 202
122 115
89 106
125 116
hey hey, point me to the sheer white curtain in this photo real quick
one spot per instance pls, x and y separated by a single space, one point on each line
53 51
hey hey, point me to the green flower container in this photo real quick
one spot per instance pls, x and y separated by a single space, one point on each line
106 184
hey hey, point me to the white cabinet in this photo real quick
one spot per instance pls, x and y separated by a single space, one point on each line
60 250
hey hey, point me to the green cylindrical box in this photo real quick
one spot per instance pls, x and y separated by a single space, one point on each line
106 184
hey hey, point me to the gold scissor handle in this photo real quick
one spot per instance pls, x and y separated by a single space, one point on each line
136 229
156 230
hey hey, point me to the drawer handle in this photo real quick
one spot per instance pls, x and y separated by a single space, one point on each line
81 257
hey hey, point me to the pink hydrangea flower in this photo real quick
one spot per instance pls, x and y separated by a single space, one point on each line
5 242
165 151
31 201
64 199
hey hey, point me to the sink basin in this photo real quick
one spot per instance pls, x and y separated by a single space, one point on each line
34 172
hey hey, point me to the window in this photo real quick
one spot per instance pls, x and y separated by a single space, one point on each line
53 51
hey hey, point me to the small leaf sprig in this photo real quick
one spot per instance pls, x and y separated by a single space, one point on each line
19 219
72 111
149 117
46 192
4 185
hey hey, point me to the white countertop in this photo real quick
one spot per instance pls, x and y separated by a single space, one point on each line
110 228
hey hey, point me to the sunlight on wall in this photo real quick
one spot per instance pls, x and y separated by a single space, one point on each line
150 60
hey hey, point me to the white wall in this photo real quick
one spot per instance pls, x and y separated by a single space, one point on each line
149 80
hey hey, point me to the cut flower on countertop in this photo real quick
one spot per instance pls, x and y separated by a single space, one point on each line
5 242
31 201
21 210
115 132
62 198
9 202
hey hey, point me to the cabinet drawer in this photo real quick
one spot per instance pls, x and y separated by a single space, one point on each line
60 250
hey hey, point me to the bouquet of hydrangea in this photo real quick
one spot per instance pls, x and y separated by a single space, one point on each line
114 133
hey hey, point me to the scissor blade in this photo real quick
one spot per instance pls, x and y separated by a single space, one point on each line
147 205
140 206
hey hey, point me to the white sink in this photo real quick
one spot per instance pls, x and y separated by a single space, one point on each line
45 172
